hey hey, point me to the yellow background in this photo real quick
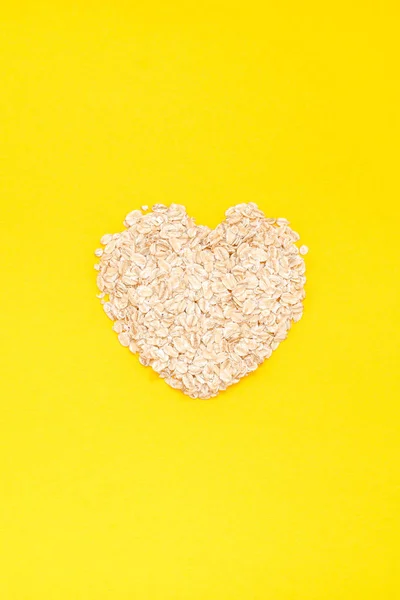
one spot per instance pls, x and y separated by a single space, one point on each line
114 486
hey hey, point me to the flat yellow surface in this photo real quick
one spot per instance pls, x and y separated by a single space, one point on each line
114 486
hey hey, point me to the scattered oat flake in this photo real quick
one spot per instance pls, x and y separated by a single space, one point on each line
106 239
303 249
124 339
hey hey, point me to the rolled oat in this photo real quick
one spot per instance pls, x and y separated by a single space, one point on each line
202 307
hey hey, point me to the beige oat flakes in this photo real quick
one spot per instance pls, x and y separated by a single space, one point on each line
202 307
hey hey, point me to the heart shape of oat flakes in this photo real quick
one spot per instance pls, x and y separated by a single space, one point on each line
203 307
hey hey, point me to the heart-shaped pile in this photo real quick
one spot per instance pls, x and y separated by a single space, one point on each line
202 307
